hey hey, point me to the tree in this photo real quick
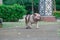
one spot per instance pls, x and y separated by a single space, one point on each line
28 4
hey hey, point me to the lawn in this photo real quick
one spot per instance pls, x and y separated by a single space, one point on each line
22 24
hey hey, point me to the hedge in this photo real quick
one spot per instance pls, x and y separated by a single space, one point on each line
57 14
58 7
26 3
12 12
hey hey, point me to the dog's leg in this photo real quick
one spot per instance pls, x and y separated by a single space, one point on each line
28 26
37 25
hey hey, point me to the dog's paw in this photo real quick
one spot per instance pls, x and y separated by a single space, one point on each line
28 27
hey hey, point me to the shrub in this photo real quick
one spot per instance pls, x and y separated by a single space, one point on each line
58 7
57 14
26 3
12 12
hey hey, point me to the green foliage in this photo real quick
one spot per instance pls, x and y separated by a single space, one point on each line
57 4
12 12
58 7
57 14
26 3
9 2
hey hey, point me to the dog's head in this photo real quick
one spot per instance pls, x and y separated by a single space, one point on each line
37 16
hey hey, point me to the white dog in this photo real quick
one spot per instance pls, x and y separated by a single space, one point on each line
30 19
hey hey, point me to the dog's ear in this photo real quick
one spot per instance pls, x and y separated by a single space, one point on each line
34 14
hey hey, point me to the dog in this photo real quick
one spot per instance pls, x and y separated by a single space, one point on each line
32 19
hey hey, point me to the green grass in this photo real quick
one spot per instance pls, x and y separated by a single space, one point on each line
13 24
58 32
22 24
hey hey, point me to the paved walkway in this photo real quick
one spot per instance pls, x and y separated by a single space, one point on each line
45 32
